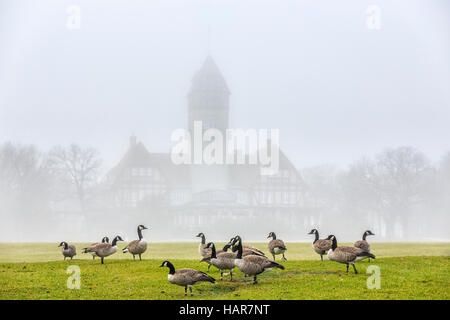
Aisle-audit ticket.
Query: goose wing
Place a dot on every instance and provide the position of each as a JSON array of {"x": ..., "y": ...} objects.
[
  {"x": 323, "y": 245},
  {"x": 100, "y": 249},
  {"x": 192, "y": 275},
  {"x": 132, "y": 245},
  {"x": 363, "y": 244},
  {"x": 347, "y": 253},
  {"x": 277, "y": 243},
  {"x": 253, "y": 249}
]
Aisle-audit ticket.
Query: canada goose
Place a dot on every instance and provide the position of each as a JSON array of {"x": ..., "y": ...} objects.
[
  {"x": 103, "y": 250},
  {"x": 248, "y": 249},
  {"x": 363, "y": 244},
  {"x": 276, "y": 246},
  {"x": 137, "y": 246},
  {"x": 68, "y": 250},
  {"x": 186, "y": 277},
  {"x": 321, "y": 246},
  {"x": 253, "y": 265},
  {"x": 223, "y": 260},
  {"x": 206, "y": 252},
  {"x": 346, "y": 255},
  {"x": 104, "y": 240}
]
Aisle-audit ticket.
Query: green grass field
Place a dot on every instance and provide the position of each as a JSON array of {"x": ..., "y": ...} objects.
[{"x": 408, "y": 271}]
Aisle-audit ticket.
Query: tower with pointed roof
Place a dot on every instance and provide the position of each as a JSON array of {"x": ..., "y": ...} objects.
[
  {"x": 208, "y": 102},
  {"x": 208, "y": 98}
]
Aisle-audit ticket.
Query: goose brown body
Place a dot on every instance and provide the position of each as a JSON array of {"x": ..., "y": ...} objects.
[
  {"x": 320, "y": 246},
  {"x": 346, "y": 255},
  {"x": 139, "y": 246},
  {"x": 253, "y": 265},
  {"x": 222, "y": 260},
  {"x": 68, "y": 250},
  {"x": 104, "y": 249},
  {"x": 186, "y": 277},
  {"x": 276, "y": 246},
  {"x": 363, "y": 244},
  {"x": 104, "y": 240},
  {"x": 247, "y": 249}
]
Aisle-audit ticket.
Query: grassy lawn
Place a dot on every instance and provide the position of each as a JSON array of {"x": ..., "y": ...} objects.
[{"x": 403, "y": 276}]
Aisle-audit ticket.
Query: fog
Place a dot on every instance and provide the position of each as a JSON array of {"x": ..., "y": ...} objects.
[{"x": 92, "y": 92}]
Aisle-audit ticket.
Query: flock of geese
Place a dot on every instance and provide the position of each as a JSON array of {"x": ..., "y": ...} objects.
[{"x": 246, "y": 258}]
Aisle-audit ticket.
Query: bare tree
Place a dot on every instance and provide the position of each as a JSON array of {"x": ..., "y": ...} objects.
[
  {"x": 401, "y": 182},
  {"x": 24, "y": 188},
  {"x": 80, "y": 166}
]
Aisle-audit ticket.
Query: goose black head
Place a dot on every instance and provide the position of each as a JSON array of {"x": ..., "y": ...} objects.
[
  {"x": 118, "y": 238},
  {"x": 142, "y": 227},
  {"x": 168, "y": 265},
  {"x": 270, "y": 235},
  {"x": 200, "y": 235},
  {"x": 369, "y": 233},
  {"x": 62, "y": 244},
  {"x": 105, "y": 240},
  {"x": 334, "y": 240},
  {"x": 209, "y": 245},
  {"x": 165, "y": 264},
  {"x": 313, "y": 231}
]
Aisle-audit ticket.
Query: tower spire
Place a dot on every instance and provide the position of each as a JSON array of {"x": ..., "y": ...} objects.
[{"x": 209, "y": 40}]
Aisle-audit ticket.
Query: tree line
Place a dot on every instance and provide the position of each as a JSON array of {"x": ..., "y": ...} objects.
[{"x": 398, "y": 191}]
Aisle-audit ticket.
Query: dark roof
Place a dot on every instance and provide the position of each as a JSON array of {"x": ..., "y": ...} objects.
[{"x": 209, "y": 78}]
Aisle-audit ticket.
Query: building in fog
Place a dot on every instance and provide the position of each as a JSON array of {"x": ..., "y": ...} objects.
[{"x": 198, "y": 195}]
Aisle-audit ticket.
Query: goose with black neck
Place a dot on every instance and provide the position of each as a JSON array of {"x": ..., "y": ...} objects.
[
  {"x": 68, "y": 250},
  {"x": 320, "y": 246},
  {"x": 105, "y": 249},
  {"x": 253, "y": 265},
  {"x": 186, "y": 277},
  {"x": 346, "y": 255},
  {"x": 137, "y": 247}
]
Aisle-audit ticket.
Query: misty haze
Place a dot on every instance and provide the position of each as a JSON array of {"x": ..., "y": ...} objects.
[{"x": 92, "y": 92}]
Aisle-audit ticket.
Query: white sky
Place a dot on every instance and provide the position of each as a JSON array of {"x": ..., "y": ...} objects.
[{"x": 335, "y": 89}]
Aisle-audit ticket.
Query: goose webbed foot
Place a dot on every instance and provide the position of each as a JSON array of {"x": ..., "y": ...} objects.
[{"x": 284, "y": 258}]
